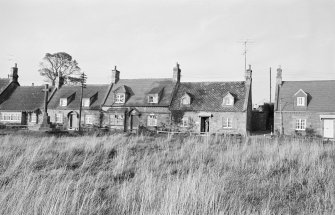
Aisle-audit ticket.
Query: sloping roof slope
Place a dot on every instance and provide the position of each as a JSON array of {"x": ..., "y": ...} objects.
[
  {"x": 320, "y": 95},
  {"x": 4, "y": 82},
  {"x": 139, "y": 90},
  {"x": 25, "y": 98},
  {"x": 208, "y": 96},
  {"x": 91, "y": 89}
]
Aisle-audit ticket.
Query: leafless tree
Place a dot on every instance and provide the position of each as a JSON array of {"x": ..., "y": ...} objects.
[{"x": 59, "y": 64}]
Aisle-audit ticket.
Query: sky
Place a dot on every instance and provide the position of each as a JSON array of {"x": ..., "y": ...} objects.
[{"x": 145, "y": 39}]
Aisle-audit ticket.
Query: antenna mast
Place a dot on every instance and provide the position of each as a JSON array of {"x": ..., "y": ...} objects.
[{"x": 245, "y": 43}]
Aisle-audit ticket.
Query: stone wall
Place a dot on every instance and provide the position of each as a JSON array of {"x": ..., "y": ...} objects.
[
  {"x": 239, "y": 122},
  {"x": 313, "y": 121}
]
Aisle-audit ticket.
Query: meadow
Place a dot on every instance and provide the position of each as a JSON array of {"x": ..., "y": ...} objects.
[{"x": 120, "y": 174}]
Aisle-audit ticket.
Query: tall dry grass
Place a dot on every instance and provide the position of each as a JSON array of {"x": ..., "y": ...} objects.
[{"x": 145, "y": 175}]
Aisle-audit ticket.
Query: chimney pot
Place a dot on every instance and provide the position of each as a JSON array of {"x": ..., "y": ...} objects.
[
  {"x": 115, "y": 75},
  {"x": 176, "y": 73},
  {"x": 14, "y": 73}
]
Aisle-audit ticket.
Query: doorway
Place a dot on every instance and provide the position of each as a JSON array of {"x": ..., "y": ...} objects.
[
  {"x": 328, "y": 128},
  {"x": 204, "y": 124},
  {"x": 73, "y": 121}
]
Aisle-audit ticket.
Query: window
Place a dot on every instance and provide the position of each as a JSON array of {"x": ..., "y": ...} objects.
[
  {"x": 300, "y": 101},
  {"x": 63, "y": 102},
  {"x": 119, "y": 98},
  {"x": 13, "y": 117},
  {"x": 33, "y": 117},
  {"x": 153, "y": 99},
  {"x": 227, "y": 122},
  {"x": 116, "y": 119},
  {"x": 86, "y": 102},
  {"x": 89, "y": 119},
  {"x": 152, "y": 120},
  {"x": 228, "y": 101},
  {"x": 184, "y": 122},
  {"x": 59, "y": 118},
  {"x": 300, "y": 124},
  {"x": 185, "y": 101}
]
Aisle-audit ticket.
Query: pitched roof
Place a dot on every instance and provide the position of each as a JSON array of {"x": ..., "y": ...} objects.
[
  {"x": 208, "y": 96},
  {"x": 139, "y": 90},
  {"x": 4, "y": 82},
  {"x": 90, "y": 90},
  {"x": 25, "y": 98},
  {"x": 319, "y": 95}
]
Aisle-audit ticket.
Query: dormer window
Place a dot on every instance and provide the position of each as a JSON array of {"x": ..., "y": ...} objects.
[
  {"x": 228, "y": 100},
  {"x": 86, "y": 102},
  {"x": 186, "y": 99},
  {"x": 153, "y": 99},
  {"x": 63, "y": 102},
  {"x": 120, "y": 98},
  {"x": 300, "y": 101},
  {"x": 300, "y": 98}
]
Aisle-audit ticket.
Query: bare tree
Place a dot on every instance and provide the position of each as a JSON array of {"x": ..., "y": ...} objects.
[{"x": 59, "y": 64}]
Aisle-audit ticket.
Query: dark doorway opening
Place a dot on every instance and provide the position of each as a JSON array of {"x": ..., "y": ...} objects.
[{"x": 204, "y": 124}]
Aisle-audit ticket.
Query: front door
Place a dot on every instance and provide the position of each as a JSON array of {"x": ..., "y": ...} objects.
[
  {"x": 134, "y": 122},
  {"x": 204, "y": 124},
  {"x": 73, "y": 121},
  {"x": 328, "y": 130}
]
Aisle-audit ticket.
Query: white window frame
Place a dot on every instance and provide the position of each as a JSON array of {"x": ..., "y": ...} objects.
[
  {"x": 300, "y": 124},
  {"x": 228, "y": 101},
  {"x": 116, "y": 119},
  {"x": 85, "y": 102},
  {"x": 227, "y": 122},
  {"x": 89, "y": 119},
  {"x": 58, "y": 118},
  {"x": 63, "y": 102},
  {"x": 153, "y": 99},
  {"x": 11, "y": 116},
  {"x": 33, "y": 118},
  {"x": 152, "y": 120},
  {"x": 185, "y": 100},
  {"x": 300, "y": 101},
  {"x": 120, "y": 98}
]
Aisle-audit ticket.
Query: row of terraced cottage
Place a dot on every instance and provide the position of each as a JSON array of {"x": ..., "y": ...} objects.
[{"x": 130, "y": 104}]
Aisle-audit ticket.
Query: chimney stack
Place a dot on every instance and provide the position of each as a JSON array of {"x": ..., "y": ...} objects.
[
  {"x": 115, "y": 75},
  {"x": 248, "y": 74},
  {"x": 13, "y": 75},
  {"x": 59, "y": 80},
  {"x": 176, "y": 73},
  {"x": 279, "y": 79}
]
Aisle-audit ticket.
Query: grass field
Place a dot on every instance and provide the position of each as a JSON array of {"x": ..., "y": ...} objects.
[{"x": 144, "y": 175}]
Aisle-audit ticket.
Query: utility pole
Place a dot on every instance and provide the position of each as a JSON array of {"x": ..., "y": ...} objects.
[
  {"x": 270, "y": 85},
  {"x": 83, "y": 78},
  {"x": 281, "y": 116}
]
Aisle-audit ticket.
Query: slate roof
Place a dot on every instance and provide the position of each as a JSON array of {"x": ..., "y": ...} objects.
[
  {"x": 4, "y": 82},
  {"x": 25, "y": 98},
  {"x": 208, "y": 96},
  {"x": 91, "y": 89},
  {"x": 320, "y": 95},
  {"x": 139, "y": 90}
]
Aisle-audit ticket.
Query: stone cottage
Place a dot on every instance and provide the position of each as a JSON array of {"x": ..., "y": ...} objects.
[
  {"x": 304, "y": 107},
  {"x": 63, "y": 108},
  {"x": 23, "y": 106},
  {"x": 215, "y": 107},
  {"x": 139, "y": 102}
]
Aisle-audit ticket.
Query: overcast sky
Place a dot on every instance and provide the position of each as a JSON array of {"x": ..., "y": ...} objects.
[{"x": 146, "y": 38}]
